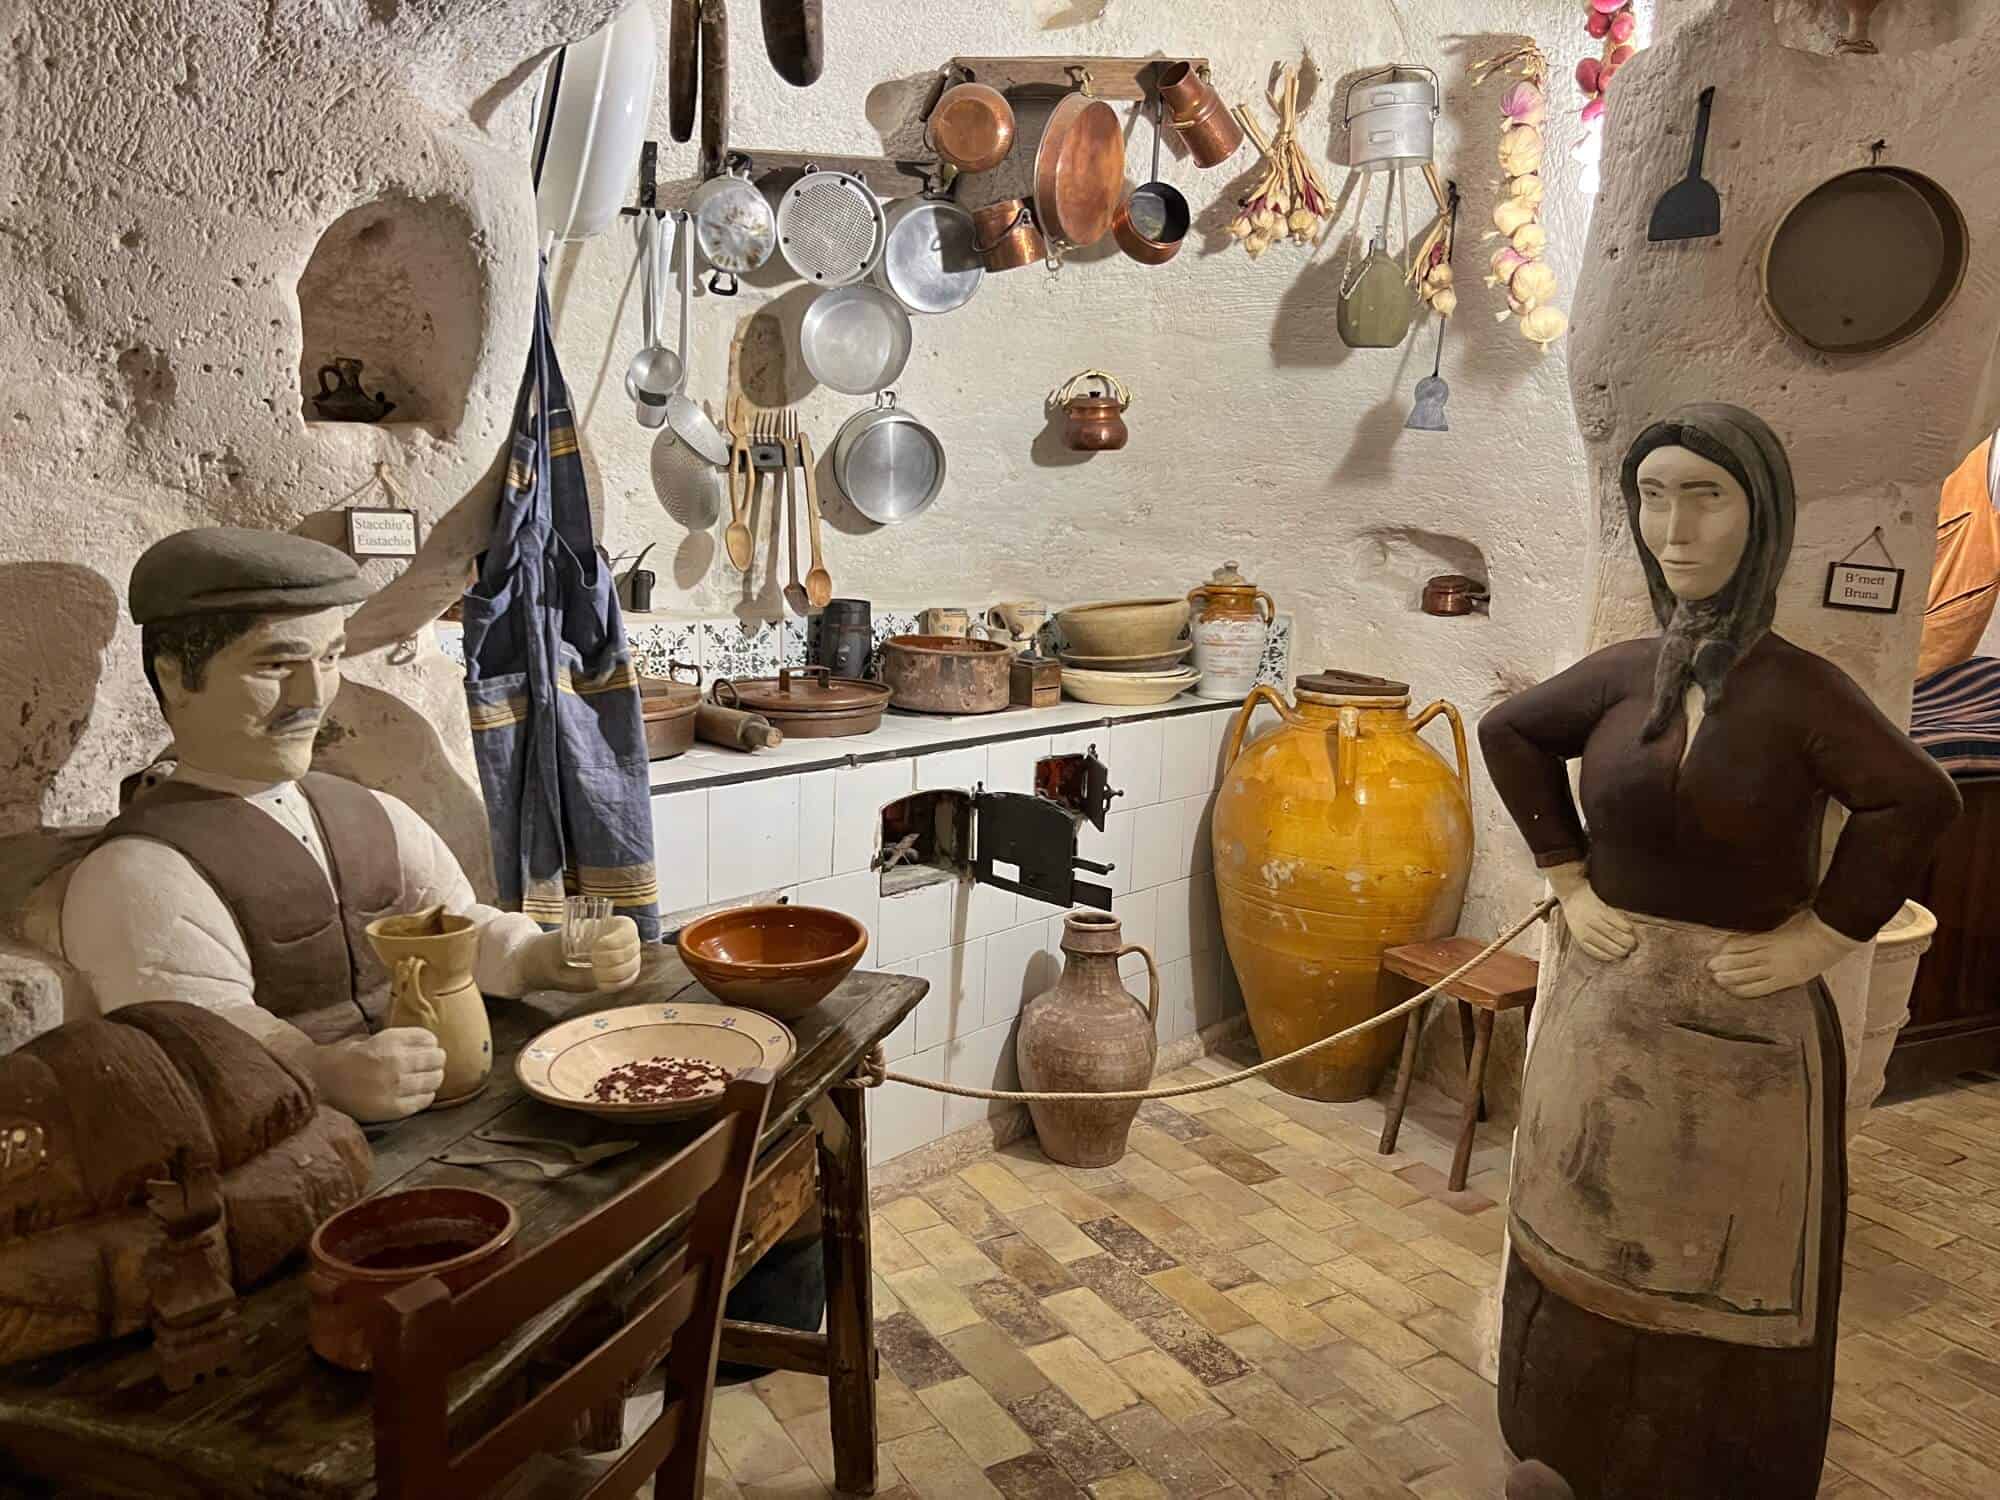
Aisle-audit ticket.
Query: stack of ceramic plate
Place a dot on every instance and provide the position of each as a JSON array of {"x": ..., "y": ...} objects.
[{"x": 1127, "y": 653}]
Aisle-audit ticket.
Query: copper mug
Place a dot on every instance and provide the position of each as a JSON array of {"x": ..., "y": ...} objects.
[
  {"x": 1006, "y": 236},
  {"x": 1198, "y": 113},
  {"x": 1094, "y": 423}
]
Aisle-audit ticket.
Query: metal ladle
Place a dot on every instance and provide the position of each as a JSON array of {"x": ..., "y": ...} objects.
[
  {"x": 656, "y": 373},
  {"x": 691, "y": 423}
]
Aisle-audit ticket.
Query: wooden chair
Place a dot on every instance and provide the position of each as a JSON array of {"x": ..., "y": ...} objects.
[
  {"x": 425, "y": 1334},
  {"x": 1506, "y": 981}
]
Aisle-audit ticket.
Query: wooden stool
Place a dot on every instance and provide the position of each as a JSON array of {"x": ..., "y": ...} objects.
[{"x": 1506, "y": 981}]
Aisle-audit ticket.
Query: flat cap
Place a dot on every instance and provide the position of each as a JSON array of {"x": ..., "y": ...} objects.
[{"x": 217, "y": 569}]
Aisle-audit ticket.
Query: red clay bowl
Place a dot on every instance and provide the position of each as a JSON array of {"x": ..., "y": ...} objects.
[
  {"x": 781, "y": 960},
  {"x": 363, "y": 1253}
]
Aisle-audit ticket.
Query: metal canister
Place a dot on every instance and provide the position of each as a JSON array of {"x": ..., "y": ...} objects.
[
  {"x": 846, "y": 638},
  {"x": 1196, "y": 111},
  {"x": 1392, "y": 118}
]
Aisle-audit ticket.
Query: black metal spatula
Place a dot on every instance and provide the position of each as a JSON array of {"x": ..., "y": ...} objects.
[{"x": 1691, "y": 209}]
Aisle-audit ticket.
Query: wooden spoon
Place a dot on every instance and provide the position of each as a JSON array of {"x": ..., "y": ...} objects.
[
  {"x": 736, "y": 539},
  {"x": 819, "y": 582}
]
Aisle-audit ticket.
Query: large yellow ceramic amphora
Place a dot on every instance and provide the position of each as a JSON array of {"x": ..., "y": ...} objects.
[{"x": 1338, "y": 833}]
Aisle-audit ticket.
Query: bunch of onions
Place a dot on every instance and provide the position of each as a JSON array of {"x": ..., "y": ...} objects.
[
  {"x": 1289, "y": 201},
  {"x": 1613, "y": 23},
  {"x": 1517, "y": 266}
]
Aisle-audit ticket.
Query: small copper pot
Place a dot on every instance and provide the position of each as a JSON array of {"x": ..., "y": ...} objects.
[
  {"x": 1006, "y": 236},
  {"x": 1453, "y": 594},
  {"x": 1198, "y": 113},
  {"x": 972, "y": 127},
  {"x": 1094, "y": 423}
]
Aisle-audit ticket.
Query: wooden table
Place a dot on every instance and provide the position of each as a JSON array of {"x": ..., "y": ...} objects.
[{"x": 99, "y": 1421}]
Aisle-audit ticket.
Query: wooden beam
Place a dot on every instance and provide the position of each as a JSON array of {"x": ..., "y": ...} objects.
[
  {"x": 887, "y": 177},
  {"x": 1110, "y": 77}
]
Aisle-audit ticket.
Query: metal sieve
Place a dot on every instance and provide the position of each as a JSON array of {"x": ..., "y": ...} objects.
[{"x": 830, "y": 228}]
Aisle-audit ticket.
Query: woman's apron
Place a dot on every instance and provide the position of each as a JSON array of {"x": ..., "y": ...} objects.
[{"x": 1671, "y": 1163}]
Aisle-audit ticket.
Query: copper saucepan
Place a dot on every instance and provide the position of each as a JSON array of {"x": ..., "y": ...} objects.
[{"x": 1153, "y": 221}]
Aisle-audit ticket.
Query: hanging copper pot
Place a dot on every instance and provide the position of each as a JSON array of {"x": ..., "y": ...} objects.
[
  {"x": 972, "y": 127},
  {"x": 1094, "y": 423},
  {"x": 1198, "y": 113},
  {"x": 1006, "y": 236}
]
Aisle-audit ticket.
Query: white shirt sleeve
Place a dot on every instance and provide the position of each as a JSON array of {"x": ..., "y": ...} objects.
[
  {"x": 142, "y": 923},
  {"x": 432, "y": 876}
]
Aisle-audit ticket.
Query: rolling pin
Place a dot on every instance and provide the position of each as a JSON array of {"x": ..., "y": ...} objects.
[{"x": 734, "y": 729}]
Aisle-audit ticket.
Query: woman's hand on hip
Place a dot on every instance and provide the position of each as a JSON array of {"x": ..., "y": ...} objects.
[
  {"x": 1600, "y": 930},
  {"x": 1754, "y": 964}
]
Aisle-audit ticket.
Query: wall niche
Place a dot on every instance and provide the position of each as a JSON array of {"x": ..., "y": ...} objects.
[{"x": 395, "y": 284}]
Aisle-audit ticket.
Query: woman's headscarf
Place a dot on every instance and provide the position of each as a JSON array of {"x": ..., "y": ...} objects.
[{"x": 1704, "y": 638}]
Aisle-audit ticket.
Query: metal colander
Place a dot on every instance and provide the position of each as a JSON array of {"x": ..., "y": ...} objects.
[{"x": 830, "y": 228}]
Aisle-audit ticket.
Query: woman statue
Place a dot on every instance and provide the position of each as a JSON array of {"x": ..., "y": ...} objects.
[{"x": 1679, "y": 1181}]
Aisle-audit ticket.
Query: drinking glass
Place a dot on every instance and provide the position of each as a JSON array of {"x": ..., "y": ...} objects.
[{"x": 583, "y": 918}]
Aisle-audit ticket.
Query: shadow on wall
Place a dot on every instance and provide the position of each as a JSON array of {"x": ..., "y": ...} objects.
[
  {"x": 396, "y": 285},
  {"x": 374, "y": 738},
  {"x": 57, "y": 619}
]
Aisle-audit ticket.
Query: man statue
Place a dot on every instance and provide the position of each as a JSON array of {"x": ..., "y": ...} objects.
[{"x": 244, "y": 883}]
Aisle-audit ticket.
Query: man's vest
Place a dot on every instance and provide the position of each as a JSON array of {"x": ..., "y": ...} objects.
[{"x": 306, "y": 943}]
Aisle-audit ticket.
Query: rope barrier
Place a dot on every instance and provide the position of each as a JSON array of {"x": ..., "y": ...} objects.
[{"x": 874, "y": 1073}]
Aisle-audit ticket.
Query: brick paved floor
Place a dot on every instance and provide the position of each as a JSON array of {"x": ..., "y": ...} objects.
[{"x": 1253, "y": 1302}]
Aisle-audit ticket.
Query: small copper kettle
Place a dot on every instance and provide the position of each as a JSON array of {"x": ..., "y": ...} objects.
[
  {"x": 1094, "y": 423},
  {"x": 343, "y": 400}
]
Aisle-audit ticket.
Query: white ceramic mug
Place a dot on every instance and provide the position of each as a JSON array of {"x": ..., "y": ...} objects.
[{"x": 1019, "y": 618}]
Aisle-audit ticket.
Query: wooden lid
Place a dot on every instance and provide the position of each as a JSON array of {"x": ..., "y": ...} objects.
[{"x": 1352, "y": 687}]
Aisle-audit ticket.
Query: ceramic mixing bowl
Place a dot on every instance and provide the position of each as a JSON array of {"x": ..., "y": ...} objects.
[
  {"x": 781, "y": 960},
  {"x": 1126, "y": 627}
]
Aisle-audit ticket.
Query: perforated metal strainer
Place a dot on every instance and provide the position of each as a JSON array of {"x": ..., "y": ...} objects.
[{"x": 830, "y": 228}]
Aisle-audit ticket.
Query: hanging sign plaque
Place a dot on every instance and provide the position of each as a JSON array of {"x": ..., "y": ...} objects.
[{"x": 1876, "y": 588}]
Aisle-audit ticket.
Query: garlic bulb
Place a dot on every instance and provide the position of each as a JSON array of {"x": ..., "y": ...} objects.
[
  {"x": 1509, "y": 214},
  {"x": 1545, "y": 325},
  {"x": 1534, "y": 282},
  {"x": 1445, "y": 301},
  {"x": 1530, "y": 239},
  {"x": 1504, "y": 263},
  {"x": 1527, "y": 188},
  {"x": 1520, "y": 149},
  {"x": 1439, "y": 275}
]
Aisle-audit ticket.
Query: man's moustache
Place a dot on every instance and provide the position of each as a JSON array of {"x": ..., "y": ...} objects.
[{"x": 298, "y": 718}]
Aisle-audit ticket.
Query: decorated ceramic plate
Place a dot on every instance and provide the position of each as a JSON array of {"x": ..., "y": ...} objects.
[{"x": 597, "y": 1063}]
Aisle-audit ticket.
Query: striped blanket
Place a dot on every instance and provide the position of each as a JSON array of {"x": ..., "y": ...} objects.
[{"x": 1956, "y": 717}]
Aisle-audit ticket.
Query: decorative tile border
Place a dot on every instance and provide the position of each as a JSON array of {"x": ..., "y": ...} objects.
[
  {"x": 1276, "y": 668},
  {"x": 728, "y": 647}
]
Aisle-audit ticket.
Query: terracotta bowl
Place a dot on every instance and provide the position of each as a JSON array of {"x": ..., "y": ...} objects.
[
  {"x": 1129, "y": 627},
  {"x": 781, "y": 960},
  {"x": 363, "y": 1253}
]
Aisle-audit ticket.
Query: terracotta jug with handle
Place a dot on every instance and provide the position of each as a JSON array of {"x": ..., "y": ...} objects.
[
  {"x": 430, "y": 954},
  {"x": 1089, "y": 1033},
  {"x": 1338, "y": 832}
]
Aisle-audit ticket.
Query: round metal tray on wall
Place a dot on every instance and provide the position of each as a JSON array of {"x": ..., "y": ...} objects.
[{"x": 1865, "y": 260}]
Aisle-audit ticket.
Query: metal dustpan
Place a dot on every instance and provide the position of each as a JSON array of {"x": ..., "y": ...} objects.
[{"x": 1691, "y": 209}]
